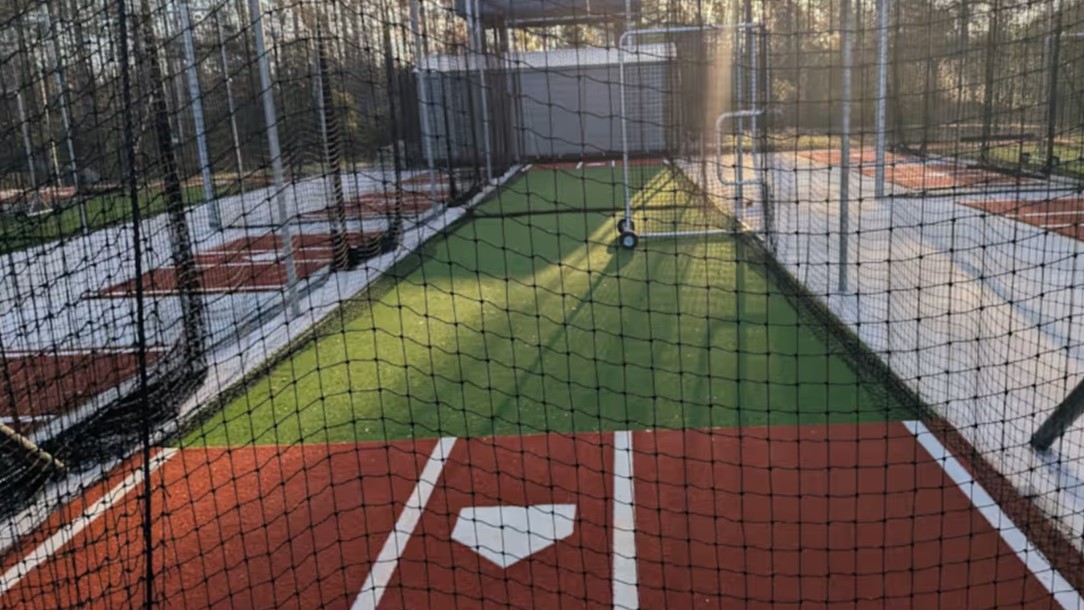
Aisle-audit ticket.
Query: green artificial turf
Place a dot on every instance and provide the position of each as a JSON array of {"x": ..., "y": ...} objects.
[{"x": 533, "y": 323}]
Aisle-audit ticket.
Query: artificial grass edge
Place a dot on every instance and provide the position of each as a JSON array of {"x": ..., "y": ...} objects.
[
  {"x": 824, "y": 323},
  {"x": 332, "y": 322}
]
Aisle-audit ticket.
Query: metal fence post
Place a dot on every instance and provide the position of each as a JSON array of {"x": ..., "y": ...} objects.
[
  {"x": 845, "y": 148},
  {"x": 196, "y": 93},
  {"x": 882, "y": 95},
  {"x": 282, "y": 221}
]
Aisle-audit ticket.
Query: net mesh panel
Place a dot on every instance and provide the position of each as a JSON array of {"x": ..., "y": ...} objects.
[
  {"x": 334, "y": 303},
  {"x": 697, "y": 97}
]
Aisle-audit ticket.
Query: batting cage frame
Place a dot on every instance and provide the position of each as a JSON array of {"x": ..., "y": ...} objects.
[{"x": 748, "y": 80}]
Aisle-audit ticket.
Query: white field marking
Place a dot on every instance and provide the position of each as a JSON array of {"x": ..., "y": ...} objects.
[
  {"x": 527, "y": 167},
  {"x": 97, "y": 351},
  {"x": 388, "y": 561},
  {"x": 1030, "y": 556},
  {"x": 172, "y": 292},
  {"x": 1044, "y": 214},
  {"x": 68, "y": 531},
  {"x": 11, "y": 419},
  {"x": 251, "y": 263},
  {"x": 236, "y": 257},
  {"x": 579, "y": 165},
  {"x": 626, "y": 594}
]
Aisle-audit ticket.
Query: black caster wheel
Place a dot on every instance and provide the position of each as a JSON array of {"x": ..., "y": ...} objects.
[
  {"x": 629, "y": 240},
  {"x": 624, "y": 225}
]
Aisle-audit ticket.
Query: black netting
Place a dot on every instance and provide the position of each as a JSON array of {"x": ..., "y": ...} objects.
[{"x": 541, "y": 304}]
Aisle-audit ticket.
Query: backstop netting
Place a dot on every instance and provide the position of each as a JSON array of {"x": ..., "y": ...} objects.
[{"x": 541, "y": 304}]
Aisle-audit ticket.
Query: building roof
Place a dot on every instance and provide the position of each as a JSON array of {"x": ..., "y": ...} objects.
[
  {"x": 557, "y": 59},
  {"x": 524, "y": 13}
]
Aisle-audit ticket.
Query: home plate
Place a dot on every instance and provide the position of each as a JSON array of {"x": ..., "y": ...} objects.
[{"x": 508, "y": 534}]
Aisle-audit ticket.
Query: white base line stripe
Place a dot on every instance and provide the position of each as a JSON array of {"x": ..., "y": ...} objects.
[
  {"x": 1030, "y": 556},
  {"x": 11, "y": 419},
  {"x": 103, "y": 352},
  {"x": 1045, "y": 214},
  {"x": 68, "y": 531},
  {"x": 388, "y": 561},
  {"x": 625, "y": 592}
]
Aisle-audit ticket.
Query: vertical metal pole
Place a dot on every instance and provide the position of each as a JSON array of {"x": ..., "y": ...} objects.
[
  {"x": 845, "y": 147},
  {"x": 27, "y": 144},
  {"x": 739, "y": 121},
  {"x": 1053, "y": 56},
  {"x": 24, "y": 126},
  {"x": 423, "y": 94},
  {"x": 882, "y": 95},
  {"x": 231, "y": 105},
  {"x": 329, "y": 131},
  {"x": 62, "y": 100},
  {"x": 194, "y": 91},
  {"x": 40, "y": 68},
  {"x": 282, "y": 221},
  {"x": 754, "y": 121},
  {"x": 478, "y": 30},
  {"x": 624, "y": 124},
  {"x": 1051, "y": 99},
  {"x": 989, "y": 76}
]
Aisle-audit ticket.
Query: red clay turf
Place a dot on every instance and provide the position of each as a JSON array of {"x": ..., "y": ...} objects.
[
  {"x": 50, "y": 384},
  {"x": 843, "y": 516}
]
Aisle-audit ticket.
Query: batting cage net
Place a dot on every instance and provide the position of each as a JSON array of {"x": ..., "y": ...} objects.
[{"x": 541, "y": 304}]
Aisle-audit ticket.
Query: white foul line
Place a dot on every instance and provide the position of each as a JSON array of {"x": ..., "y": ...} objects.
[
  {"x": 388, "y": 561},
  {"x": 625, "y": 592},
  {"x": 68, "y": 531},
  {"x": 1030, "y": 556}
]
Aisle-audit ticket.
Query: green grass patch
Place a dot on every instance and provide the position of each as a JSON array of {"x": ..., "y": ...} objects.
[
  {"x": 516, "y": 324},
  {"x": 19, "y": 231}
]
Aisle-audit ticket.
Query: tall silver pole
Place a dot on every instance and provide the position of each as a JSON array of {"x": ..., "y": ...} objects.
[
  {"x": 196, "y": 94},
  {"x": 624, "y": 123},
  {"x": 231, "y": 105},
  {"x": 62, "y": 100},
  {"x": 477, "y": 32},
  {"x": 882, "y": 96},
  {"x": 27, "y": 144},
  {"x": 282, "y": 222},
  {"x": 845, "y": 134},
  {"x": 52, "y": 155},
  {"x": 24, "y": 127},
  {"x": 423, "y": 94}
]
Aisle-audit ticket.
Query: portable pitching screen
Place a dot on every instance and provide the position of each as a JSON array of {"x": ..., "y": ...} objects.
[{"x": 712, "y": 104}]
